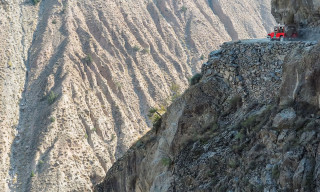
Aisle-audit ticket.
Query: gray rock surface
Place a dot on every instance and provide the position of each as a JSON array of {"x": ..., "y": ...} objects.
[{"x": 207, "y": 144}]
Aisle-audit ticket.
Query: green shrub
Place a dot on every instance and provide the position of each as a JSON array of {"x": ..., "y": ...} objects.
[
  {"x": 145, "y": 51},
  {"x": 54, "y": 21},
  {"x": 235, "y": 102},
  {"x": 195, "y": 79},
  {"x": 35, "y": 2},
  {"x": 275, "y": 172},
  {"x": 136, "y": 48},
  {"x": 183, "y": 9},
  {"x": 175, "y": 91},
  {"x": 233, "y": 164},
  {"x": 113, "y": 137},
  {"x": 166, "y": 161},
  {"x": 10, "y": 64},
  {"x": 239, "y": 136},
  {"x": 250, "y": 122},
  {"x": 157, "y": 120},
  {"x": 52, "y": 119},
  {"x": 155, "y": 116},
  {"x": 32, "y": 174},
  {"x": 202, "y": 57},
  {"x": 52, "y": 97},
  {"x": 65, "y": 7},
  {"x": 88, "y": 59}
]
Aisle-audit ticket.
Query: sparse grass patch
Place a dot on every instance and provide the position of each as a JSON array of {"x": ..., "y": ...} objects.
[
  {"x": 94, "y": 129},
  {"x": 52, "y": 97},
  {"x": 86, "y": 136},
  {"x": 195, "y": 79}
]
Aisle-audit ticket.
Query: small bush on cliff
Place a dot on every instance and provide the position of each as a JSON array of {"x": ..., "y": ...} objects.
[
  {"x": 175, "y": 91},
  {"x": 183, "y": 9},
  {"x": 88, "y": 59},
  {"x": 202, "y": 57},
  {"x": 166, "y": 161},
  {"x": 145, "y": 51},
  {"x": 52, "y": 97},
  {"x": 35, "y": 2},
  {"x": 195, "y": 79},
  {"x": 235, "y": 102},
  {"x": 9, "y": 64},
  {"x": 275, "y": 172},
  {"x": 155, "y": 115},
  {"x": 136, "y": 48},
  {"x": 52, "y": 119}
]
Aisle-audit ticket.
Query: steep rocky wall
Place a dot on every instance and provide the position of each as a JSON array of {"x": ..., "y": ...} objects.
[
  {"x": 301, "y": 79},
  {"x": 84, "y": 74},
  {"x": 249, "y": 64},
  {"x": 301, "y": 12},
  {"x": 205, "y": 143}
]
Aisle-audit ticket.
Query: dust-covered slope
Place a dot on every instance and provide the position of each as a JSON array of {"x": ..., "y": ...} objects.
[{"x": 94, "y": 68}]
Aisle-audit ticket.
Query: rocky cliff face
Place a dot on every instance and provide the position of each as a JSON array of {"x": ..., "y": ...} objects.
[
  {"x": 78, "y": 77},
  {"x": 217, "y": 138},
  {"x": 301, "y": 12}
]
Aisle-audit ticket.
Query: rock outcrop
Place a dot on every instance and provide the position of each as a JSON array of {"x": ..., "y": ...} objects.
[
  {"x": 211, "y": 139},
  {"x": 301, "y": 12},
  {"x": 78, "y": 78}
]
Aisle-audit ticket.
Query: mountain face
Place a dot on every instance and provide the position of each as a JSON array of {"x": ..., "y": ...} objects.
[
  {"x": 251, "y": 123},
  {"x": 78, "y": 78},
  {"x": 229, "y": 133}
]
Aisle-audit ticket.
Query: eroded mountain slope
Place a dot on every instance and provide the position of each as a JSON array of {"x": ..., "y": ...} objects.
[{"x": 93, "y": 70}]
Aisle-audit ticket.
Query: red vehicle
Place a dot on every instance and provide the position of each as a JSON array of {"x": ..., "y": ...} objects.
[{"x": 284, "y": 32}]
